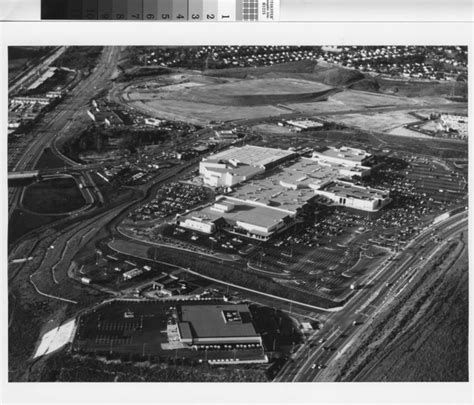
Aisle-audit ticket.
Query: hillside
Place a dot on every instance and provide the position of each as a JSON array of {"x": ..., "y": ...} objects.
[{"x": 306, "y": 69}]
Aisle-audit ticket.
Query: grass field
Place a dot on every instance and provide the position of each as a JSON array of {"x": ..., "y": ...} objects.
[
  {"x": 22, "y": 222},
  {"x": 48, "y": 160},
  {"x": 53, "y": 196}
]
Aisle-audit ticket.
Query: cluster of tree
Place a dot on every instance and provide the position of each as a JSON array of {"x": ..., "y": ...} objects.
[
  {"x": 275, "y": 326},
  {"x": 79, "y": 58},
  {"x": 92, "y": 139},
  {"x": 98, "y": 139},
  {"x": 135, "y": 139},
  {"x": 132, "y": 74},
  {"x": 60, "y": 77},
  {"x": 29, "y": 52},
  {"x": 64, "y": 367}
]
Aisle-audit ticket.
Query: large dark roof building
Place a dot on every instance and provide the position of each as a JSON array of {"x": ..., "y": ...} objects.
[{"x": 216, "y": 324}]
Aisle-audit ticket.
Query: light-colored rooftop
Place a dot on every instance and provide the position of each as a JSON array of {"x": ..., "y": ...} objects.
[
  {"x": 251, "y": 155},
  {"x": 346, "y": 153},
  {"x": 275, "y": 196},
  {"x": 243, "y": 170},
  {"x": 270, "y": 197},
  {"x": 305, "y": 123},
  {"x": 246, "y": 212},
  {"x": 287, "y": 187},
  {"x": 345, "y": 189}
]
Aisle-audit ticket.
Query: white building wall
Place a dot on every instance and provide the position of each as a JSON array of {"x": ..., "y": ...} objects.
[
  {"x": 223, "y": 178},
  {"x": 349, "y": 172},
  {"x": 204, "y": 227},
  {"x": 341, "y": 160},
  {"x": 230, "y": 339},
  {"x": 254, "y": 228},
  {"x": 360, "y": 204},
  {"x": 365, "y": 205},
  {"x": 227, "y": 339}
]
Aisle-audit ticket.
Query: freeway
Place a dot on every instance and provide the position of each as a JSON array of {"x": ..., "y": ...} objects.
[
  {"x": 58, "y": 123},
  {"x": 63, "y": 120},
  {"x": 45, "y": 172},
  {"x": 386, "y": 284},
  {"x": 36, "y": 70}
]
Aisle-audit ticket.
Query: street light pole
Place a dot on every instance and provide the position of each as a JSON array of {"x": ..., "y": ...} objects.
[{"x": 309, "y": 347}]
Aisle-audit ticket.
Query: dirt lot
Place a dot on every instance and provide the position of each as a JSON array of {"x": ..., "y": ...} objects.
[
  {"x": 412, "y": 88},
  {"x": 250, "y": 99},
  {"x": 201, "y": 99},
  {"x": 378, "y": 121},
  {"x": 201, "y": 114},
  {"x": 254, "y": 92},
  {"x": 273, "y": 129},
  {"x": 401, "y": 131}
]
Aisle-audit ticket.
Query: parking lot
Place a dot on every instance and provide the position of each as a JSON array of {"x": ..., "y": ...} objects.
[
  {"x": 124, "y": 327},
  {"x": 220, "y": 242},
  {"x": 141, "y": 328},
  {"x": 330, "y": 247},
  {"x": 170, "y": 200}
]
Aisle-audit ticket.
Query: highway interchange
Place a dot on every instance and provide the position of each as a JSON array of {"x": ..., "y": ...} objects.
[
  {"x": 61, "y": 121},
  {"x": 24, "y": 76}
]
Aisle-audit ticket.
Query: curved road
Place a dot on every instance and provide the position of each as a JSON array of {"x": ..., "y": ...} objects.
[{"x": 61, "y": 121}]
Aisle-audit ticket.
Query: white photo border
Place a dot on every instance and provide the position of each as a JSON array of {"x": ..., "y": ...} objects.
[{"x": 187, "y": 34}]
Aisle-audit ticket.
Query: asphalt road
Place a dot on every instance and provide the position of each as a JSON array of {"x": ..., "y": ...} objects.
[
  {"x": 62, "y": 120},
  {"x": 386, "y": 284}
]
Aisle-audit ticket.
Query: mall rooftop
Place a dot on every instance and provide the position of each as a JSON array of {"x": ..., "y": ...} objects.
[
  {"x": 251, "y": 155},
  {"x": 217, "y": 324},
  {"x": 343, "y": 155}
]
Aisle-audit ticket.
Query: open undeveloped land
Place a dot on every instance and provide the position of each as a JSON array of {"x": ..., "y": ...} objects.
[{"x": 201, "y": 98}]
